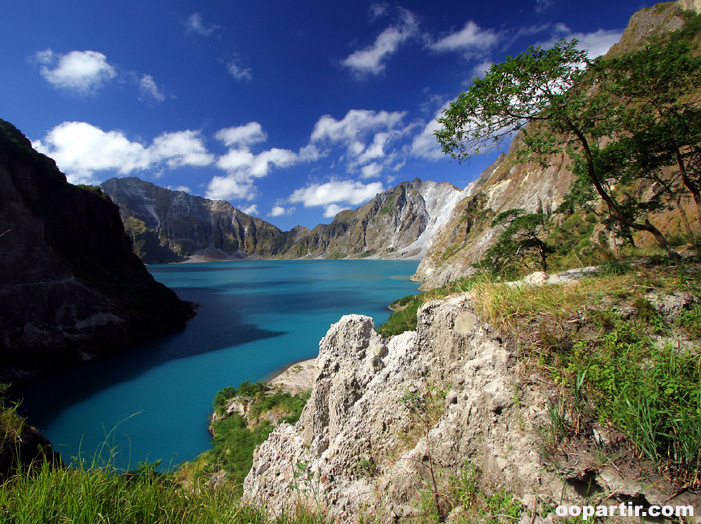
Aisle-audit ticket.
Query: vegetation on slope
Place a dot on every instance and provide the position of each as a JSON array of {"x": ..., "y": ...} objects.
[
  {"x": 96, "y": 491},
  {"x": 236, "y": 433}
]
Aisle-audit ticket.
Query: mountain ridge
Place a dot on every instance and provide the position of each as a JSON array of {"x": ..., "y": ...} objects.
[{"x": 172, "y": 226}]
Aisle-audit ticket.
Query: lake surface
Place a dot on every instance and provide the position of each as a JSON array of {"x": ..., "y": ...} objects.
[{"x": 153, "y": 401}]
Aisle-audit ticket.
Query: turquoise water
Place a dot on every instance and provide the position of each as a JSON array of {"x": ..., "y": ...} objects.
[{"x": 153, "y": 400}]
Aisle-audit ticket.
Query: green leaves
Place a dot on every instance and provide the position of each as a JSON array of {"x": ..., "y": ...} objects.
[{"x": 535, "y": 85}]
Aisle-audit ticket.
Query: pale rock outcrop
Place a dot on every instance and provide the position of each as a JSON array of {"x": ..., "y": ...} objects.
[{"x": 355, "y": 449}]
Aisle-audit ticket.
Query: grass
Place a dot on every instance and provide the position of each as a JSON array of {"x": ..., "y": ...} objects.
[
  {"x": 235, "y": 437},
  {"x": 405, "y": 309},
  {"x": 620, "y": 360},
  {"x": 102, "y": 495},
  {"x": 96, "y": 491}
]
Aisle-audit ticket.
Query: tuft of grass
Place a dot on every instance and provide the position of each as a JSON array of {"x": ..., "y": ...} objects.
[
  {"x": 599, "y": 339},
  {"x": 102, "y": 495}
]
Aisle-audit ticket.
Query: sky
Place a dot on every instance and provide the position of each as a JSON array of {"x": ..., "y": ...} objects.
[{"x": 290, "y": 110}]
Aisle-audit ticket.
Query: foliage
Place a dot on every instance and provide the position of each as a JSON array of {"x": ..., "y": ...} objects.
[
  {"x": 102, "y": 495},
  {"x": 403, "y": 317},
  {"x": 602, "y": 114},
  {"x": 235, "y": 437},
  {"x": 520, "y": 239}
]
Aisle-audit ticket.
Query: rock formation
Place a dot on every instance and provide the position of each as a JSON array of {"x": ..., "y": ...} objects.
[
  {"x": 391, "y": 421},
  {"x": 70, "y": 286}
]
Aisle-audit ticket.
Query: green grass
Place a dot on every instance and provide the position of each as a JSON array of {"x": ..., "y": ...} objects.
[
  {"x": 235, "y": 437},
  {"x": 599, "y": 338},
  {"x": 102, "y": 495}
]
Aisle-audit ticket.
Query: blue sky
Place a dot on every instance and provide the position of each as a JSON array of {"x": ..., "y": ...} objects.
[{"x": 290, "y": 110}]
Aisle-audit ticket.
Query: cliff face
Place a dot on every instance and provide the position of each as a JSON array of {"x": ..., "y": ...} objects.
[
  {"x": 70, "y": 286},
  {"x": 508, "y": 184},
  {"x": 167, "y": 226},
  {"x": 387, "y": 418},
  {"x": 397, "y": 223}
]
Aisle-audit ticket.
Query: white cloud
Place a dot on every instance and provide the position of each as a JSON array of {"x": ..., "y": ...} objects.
[
  {"x": 278, "y": 211},
  {"x": 229, "y": 188},
  {"x": 371, "y": 170},
  {"x": 365, "y": 134},
  {"x": 335, "y": 195},
  {"x": 194, "y": 24},
  {"x": 372, "y": 59},
  {"x": 599, "y": 42},
  {"x": 470, "y": 39},
  {"x": 82, "y": 72},
  {"x": 250, "y": 210},
  {"x": 149, "y": 90},
  {"x": 332, "y": 210},
  {"x": 181, "y": 148},
  {"x": 481, "y": 69},
  {"x": 184, "y": 189},
  {"x": 239, "y": 72},
  {"x": 81, "y": 150},
  {"x": 542, "y": 5},
  {"x": 596, "y": 43},
  {"x": 246, "y": 135},
  {"x": 243, "y": 166},
  {"x": 378, "y": 10},
  {"x": 425, "y": 144}
]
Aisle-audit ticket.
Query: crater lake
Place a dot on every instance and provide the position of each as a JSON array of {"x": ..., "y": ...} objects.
[{"x": 153, "y": 400}]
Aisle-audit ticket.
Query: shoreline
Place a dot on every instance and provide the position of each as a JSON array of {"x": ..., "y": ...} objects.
[{"x": 295, "y": 377}]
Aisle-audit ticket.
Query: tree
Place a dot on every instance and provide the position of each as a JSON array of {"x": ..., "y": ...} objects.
[
  {"x": 662, "y": 122},
  {"x": 557, "y": 101},
  {"x": 519, "y": 240}
]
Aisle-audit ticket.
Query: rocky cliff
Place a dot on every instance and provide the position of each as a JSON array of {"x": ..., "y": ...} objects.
[
  {"x": 510, "y": 184},
  {"x": 168, "y": 226},
  {"x": 70, "y": 286},
  {"x": 397, "y": 223},
  {"x": 449, "y": 407}
]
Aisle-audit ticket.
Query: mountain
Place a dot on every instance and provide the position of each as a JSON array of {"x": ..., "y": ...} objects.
[
  {"x": 397, "y": 223},
  {"x": 70, "y": 286},
  {"x": 511, "y": 184},
  {"x": 168, "y": 226}
]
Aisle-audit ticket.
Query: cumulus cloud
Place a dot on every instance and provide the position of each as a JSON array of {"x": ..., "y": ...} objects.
[
  {"x": 81, "y": 150},
  {"x": 335, "y": 195},
  {"x": 372, "y": 59},
  {"x": 243, "y": 166},
  {"x": 178, "y": 149},
  {"x": 246, "y": 135},
  {"x": 194, "y": 24},
  {"x": 278, "y": 211},
  {"x": 371, "y": 170},
  {"x": 425, "y": 145},
  {"x": 332, "y": 210},
  {"x": 148, "y": 89},
  {"x": 250, "y": 210},
  {"x": 81, "y": 72},
  {"x": 470, "y": 40},
  {"x": 596, "y": 43},
  {"x": 365, "y": 135}
]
